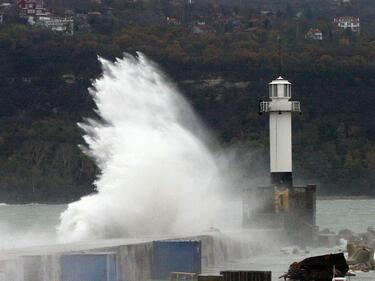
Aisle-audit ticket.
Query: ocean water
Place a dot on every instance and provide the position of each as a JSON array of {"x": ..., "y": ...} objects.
[
  {"x": 35, "y": 224},
  {"x": 355, "y": 215},
  {"x": 25, "y": 225}
]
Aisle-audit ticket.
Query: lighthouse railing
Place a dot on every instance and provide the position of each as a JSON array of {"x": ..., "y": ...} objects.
[
  {"x": 264, "y": 106},
  {"x": 296, "y": 106}
]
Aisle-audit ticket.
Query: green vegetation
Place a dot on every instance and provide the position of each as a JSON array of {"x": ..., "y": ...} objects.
[{"x": 44, "y": 78}]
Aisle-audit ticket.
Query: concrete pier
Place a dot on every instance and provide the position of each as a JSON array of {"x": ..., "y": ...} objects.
[{"x": 133, "y": 256}]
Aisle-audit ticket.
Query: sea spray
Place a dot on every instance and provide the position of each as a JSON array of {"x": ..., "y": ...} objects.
[{"x": 157, "y": 174}]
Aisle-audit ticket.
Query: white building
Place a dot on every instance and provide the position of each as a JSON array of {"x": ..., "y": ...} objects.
[
  {"x": 351, "y": 23},
  {"x": 65, "y": 25},
  {"x": 3, "y": 9},
  {"x": 314, "y": 34}
]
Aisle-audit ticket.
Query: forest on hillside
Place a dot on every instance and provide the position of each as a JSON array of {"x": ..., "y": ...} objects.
[{"x": 222, "y": 71}]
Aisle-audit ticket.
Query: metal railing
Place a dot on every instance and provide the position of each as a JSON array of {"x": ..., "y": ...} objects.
[
  {"x": 264, "y": 106},
  {"x": 296, "y": 106}
]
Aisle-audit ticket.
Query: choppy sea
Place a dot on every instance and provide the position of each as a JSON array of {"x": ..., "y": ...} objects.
[{"x": 33, "y": 224}]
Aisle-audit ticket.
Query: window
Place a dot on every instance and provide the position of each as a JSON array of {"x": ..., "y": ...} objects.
[
  {"x": 273, "y": 91},
  {"x": 287, "y": 90}
]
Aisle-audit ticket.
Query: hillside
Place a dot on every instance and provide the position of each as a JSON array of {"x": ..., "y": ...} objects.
[{"x": 222, "y": 55}]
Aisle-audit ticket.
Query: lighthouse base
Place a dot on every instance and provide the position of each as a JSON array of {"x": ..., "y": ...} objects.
[
  {"x": 281, "y": 179},
  {"x": 292, "y": 209}
]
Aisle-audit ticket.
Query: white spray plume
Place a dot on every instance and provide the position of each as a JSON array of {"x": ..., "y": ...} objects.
[{"x": 157, "y": 175}]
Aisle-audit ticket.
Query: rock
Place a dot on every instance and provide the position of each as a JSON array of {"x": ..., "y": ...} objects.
[
  {"x": 372, "y": 244},
  {"x": 359, "y": 267},
  {"x": 361, "y": 255},
  {"x": 371, "y": 230},
  {"x": 367, "y": 237},
  {"x": 351, "y": 249},
  {"x": 346, "y": 234},
  {"x": 325, "y": 231}
]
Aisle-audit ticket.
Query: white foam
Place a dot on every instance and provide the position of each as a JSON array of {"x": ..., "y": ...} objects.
[{"x": 157, "y": 174}]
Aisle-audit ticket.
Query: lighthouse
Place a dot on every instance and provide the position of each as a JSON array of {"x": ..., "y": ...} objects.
[
  {"x": 280, "y": 109},
  {"x": 281, "y": 204}
]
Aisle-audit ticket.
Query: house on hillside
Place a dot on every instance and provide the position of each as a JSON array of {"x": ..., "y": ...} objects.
[
  {"x": 4, "y": 7},
  {"x": 172, "y": 21},
  {"x": 201, "y": 28},
  {"x": 36, "y": 14},
  {"x": 314, "y": 34},
  {"x": 31, "y": 8},
  {"x": 58, "y": 24},
  {"x": 347, "y": 23}
]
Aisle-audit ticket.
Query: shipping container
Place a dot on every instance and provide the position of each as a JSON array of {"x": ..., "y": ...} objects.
[
  {"x": 8, "y": 270},
  {"x": 29, "y": 268},
  {"x": 134, "y": 262},
  {"x": 88, "y": 267},
  {"x": 32, "y": 268},
  {"x": 246, "y": 275},
  {"x": 175, "y": 256}
]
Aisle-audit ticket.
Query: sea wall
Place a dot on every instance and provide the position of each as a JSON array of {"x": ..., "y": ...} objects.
[{"x": 133, "y": 260}]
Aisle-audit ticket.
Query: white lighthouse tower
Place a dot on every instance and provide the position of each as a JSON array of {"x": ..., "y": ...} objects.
[
  {"x": 281, "y": 205},
  {"x": 280, "y": 108}
]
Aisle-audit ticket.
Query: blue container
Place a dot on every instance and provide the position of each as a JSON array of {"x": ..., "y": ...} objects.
[
  {"x": 88, "y": 267},
  {"x": 175, "y": 256}
]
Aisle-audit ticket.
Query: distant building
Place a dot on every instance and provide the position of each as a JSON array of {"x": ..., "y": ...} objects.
[
  {"x": 4, "y": 7},
  {"x": 31, "y": 8},
  {"x": 236, "y": 24},
  {"x": 343, "y": 2},
  {"x": 314, "y": 34},
  {"x": 36, "y": 14},
  {"x": 345, "y": 23},
  {"x": 267, "y": 13},
  {"x": 172, "y": 21},
  {"x": 201, "y": 28},
  {"x": 59, "y": 24}
]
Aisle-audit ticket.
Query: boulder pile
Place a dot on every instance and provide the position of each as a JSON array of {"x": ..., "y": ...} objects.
[{"x": 360, "y": 249}]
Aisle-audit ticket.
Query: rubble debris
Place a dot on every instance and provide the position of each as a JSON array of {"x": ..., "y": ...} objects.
[
  {"x": 346, "y": 234},
  {"x": 360, "y": 250},
  {"x": 360, "y": 258}
]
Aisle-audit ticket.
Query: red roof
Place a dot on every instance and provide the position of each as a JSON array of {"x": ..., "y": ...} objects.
[
  {"x": 23, "y": 4},
  {"x": 314, "y": 30}
]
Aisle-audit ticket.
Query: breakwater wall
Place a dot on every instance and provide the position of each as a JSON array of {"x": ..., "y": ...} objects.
[{"x": 120, "y": 260}]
